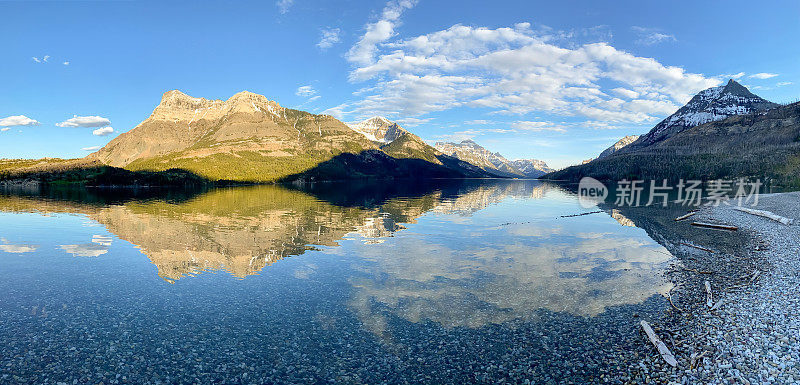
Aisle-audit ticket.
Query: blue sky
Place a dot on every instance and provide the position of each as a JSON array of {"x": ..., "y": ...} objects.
[{"x": 557, "y": 81}]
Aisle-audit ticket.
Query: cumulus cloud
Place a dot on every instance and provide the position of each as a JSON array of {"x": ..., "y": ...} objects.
[
  {"x": 762, "y": 75},
  {"x": 18, "y": 120},
  {"x": 284, "y": 5},
  {"x": 4, "y": 129},
  {"x": 305, "y": 91},
  {"x": 364, "y": 51},
  {"x": 103, "y": 131},
  {"x": 85, "y": 121},
  {"x": 511, "y": 70},
  {"x": 92, "y": 148},
  {"x": 329, "y": 37}
]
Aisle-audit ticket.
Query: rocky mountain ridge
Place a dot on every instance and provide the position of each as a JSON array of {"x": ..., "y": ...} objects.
[
  {"x": 250, "y": 138},
  {"x": 469, "y": 151},
  {"x": 619, "y": 145}
]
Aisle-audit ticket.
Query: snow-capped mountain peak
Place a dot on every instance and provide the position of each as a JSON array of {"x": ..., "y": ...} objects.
[
  {"x": 378, "y": 129},
  {"x": 709, "y": 105}
]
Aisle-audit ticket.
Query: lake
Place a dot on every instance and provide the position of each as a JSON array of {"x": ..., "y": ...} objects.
[{"x": 453, "y": 282}]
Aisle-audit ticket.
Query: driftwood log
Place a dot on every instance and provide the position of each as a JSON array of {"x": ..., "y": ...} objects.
[
  {"x": 687, "y": 215},
  {"x": 697, "y": 247},
  {"x": 660, "y": 345},
  {"x": 766, "y": 214},
  {"x": 715, "y": 226}
]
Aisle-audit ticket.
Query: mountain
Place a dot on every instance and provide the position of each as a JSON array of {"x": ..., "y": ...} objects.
[
  {"x": 622, "y": 143},
  {"x": 710, "y": 105},
  {"x": 764, "y": 143},
  {"x": 249, "y": 138},
  {"x": 378, "y": 129},
  {"x": 531, "y": 168},
  {"x": 475, "y": 154}
]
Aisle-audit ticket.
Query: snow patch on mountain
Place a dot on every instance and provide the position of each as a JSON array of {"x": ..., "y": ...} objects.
[{"x": 378, "y": 129}]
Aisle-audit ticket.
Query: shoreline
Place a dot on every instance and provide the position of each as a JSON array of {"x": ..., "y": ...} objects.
[{"x": 752, "y": 336}]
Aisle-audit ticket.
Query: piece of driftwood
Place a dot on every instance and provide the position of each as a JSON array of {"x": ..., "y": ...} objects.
[
  {"x": 716, "y": 305},
  {"x": 687, "y": 215},
  {"x": 755, "y": 276},
  {"x": 669, "y": 295},
  {"x": 715, "y": 226},
  {"x": 696, "y": 358},
  {"x": 581, "y": 214},
  {"x": 709, "y": 296},
  {"x": 662, "y": 348},
  {"x": 697, "y": 247},
  {"x": 766, "y": 214}
]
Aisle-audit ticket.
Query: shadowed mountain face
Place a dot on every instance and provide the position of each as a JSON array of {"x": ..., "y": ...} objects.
[{"x": 252, "y": 139}]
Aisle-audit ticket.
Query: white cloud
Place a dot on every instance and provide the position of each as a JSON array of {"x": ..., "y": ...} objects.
[
  {"x": 18, "y": 120},
  {"x": 4, "y": 129},
  {"x": 630, "y": 94},
  {"x": 66, "y": 63},
  {"x": 85, "y": 250},
  {"x": 18, "y": 249},
  {"x": 479, "y": 122},
  {"x": 284, "y": 5},
  {"x": 781, "y": 84},
  {"x": 104, "y": 131},
  {"x": 305, "y": 91},
  {"x": 329, "y": 37},
  {"x": 536, "y": 126},
  {"x": 92, "y": 148},
  {"x": 363, "y": 52},
  {"x": 84, "y": 121},
  {"x": 36, "y": 59},
  {"x": 651, "y": 36},
  {"x": 732, "y": 76},
  {"x": 413, "y": 122},
  {"x": 512, "y": 70},
  {"x": 762, "y": 75}
]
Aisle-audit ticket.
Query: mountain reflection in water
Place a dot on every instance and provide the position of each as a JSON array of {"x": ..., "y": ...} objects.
[{"x": 460, "y": 253}]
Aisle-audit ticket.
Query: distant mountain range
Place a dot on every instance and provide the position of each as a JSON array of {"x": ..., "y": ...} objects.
[
  {"x": 473, "y": 153},
  {"x": 249, "y": 138},
  {"x": 723, "y": 132}
]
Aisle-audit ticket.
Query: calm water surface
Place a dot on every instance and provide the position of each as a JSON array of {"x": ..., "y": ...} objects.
[{"x": 465, "y": 282}]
